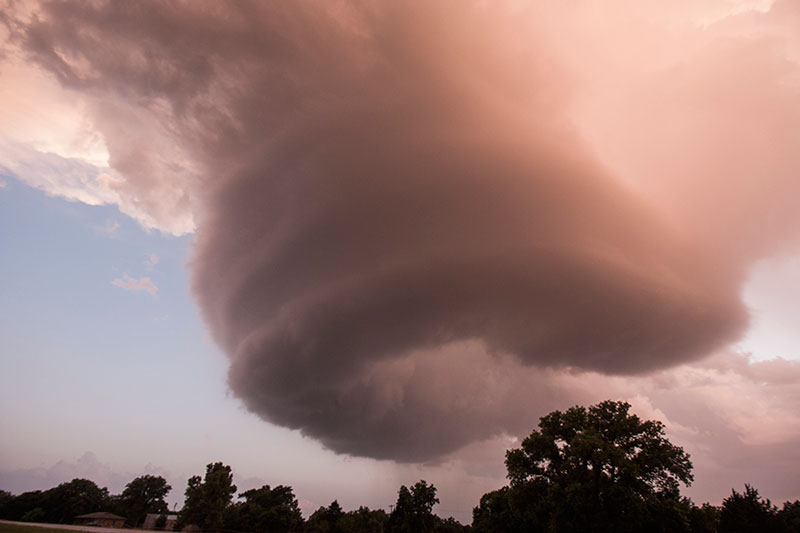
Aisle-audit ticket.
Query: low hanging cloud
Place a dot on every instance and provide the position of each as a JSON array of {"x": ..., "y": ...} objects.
[{"x": 405, "y": 206}]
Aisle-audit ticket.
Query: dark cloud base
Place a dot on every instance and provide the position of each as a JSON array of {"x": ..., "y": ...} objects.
[{"x": 317, "y": 269}]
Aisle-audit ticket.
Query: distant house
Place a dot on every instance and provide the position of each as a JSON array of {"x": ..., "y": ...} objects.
[
  {"x": 99, "y": 520},
  {"x": 151, "y": 521}
]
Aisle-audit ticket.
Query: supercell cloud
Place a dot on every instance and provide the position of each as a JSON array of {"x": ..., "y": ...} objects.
[{"x": 405, "y": 209}]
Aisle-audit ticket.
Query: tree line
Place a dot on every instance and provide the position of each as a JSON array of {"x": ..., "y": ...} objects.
[
  {"x": 599, "y": 470},
  {"x": 61, "y": 504}
]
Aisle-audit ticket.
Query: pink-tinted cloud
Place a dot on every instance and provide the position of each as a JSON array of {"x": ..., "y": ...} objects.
[
  {"x": 151, "y": 261},
  {"x": 143, "y": 283},
  {"x": 425, "y": 226},
  {"x": 56, "y": 138},
  {"x": 87, "y": 466},
  {"x": 110, "y": 227},
  {"x": 737, "y": 418}
]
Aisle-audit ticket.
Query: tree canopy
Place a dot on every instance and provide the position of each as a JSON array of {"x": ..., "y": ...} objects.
[
  {"x": 326, "y": 520},
  {"x": 590, "y": 469},
  {"x": 207, "y": 500},
  {"x": 79, "y": 496},
  {"x": 413, "y": 511},
  {"x": 143, "y": 495},
  {"x": 265, "y": 510},
  {"x": 747, "y": 511}
]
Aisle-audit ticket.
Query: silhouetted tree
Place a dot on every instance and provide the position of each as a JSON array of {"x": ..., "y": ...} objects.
[
  {"x": 365, "y": 520},
  {"x": 326, "y": 520},
  {"x": 193, "y": 507},
  {"x": 667, "y": 514},
  {"x": 18, "y": 506},
  {"x": 748, "y": 512},
  {"x": 143, "y": 495},
  {"x": 5, "y": 499},
  {"x": 495, "y": 513},
  {"x": 521, "y": 508},
  {"x": 265, "y": 510},
  {"x": 413, "y": 512},
  {"x": 595, "y": 470},
  {"x": 449, "y": 525},
  {"x": 68, "y": 500},
  {"x": 790, "y": 516},
  {"x": 704, "y": 519},
  {"x": 207, "y": 500}
]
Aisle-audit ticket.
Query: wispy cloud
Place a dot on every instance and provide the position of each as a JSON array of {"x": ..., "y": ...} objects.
[
  {"x": 151, "y": 261},
  {"x": 110, "y": 227},
  {"x": 136, "y": 284}
]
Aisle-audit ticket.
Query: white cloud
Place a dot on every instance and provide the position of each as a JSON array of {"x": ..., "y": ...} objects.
[
  {"x": 70, "y": 178},
  {"x": 52, "y": 139},
  {"x": 136, "y": 284}
]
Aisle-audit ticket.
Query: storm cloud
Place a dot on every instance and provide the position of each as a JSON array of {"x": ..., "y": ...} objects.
[{"x": 398, "y": 207}]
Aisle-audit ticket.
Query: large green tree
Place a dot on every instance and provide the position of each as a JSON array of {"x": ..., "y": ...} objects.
[
  {"x": 593, "y": 469},
  {"x": 207, "y": 499},
  {"x": 143, "y": 495}
]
